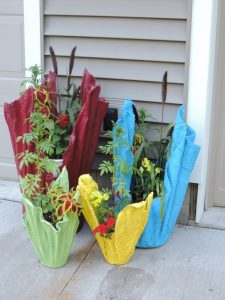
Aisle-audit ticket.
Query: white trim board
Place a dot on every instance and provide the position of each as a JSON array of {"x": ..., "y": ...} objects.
[
  {"x": 33, "y": 21},
  {"x": 200, "y": 91}
]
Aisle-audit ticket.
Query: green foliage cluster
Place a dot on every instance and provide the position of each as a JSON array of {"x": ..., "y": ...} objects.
[
  {"x": 40, "y": 138},
  {"x": 72, "y": 105},
  {"x": 150, "y": 156},
  {"x": 105, "y": 209},
  {"x": 35, "y": 79},
  {"x": 109, "y": 167},
  {"x": 54, "y": 199}
]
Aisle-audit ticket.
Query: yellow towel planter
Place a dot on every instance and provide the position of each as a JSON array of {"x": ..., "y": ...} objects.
[{"x": 129, "y": 226}]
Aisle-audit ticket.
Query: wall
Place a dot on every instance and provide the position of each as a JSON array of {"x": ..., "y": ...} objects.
[
  {"x": 127, "y": 45},
  {"x": 12, "y": 71}
]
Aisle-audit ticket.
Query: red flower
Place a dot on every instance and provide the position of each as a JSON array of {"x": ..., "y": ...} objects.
[
  {"x": 102, "y": 228},
  {"x": 110, "y": 222},
  {"x": 63, "y": 120}
]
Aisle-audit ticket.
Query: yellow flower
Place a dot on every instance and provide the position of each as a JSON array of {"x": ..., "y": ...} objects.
[
  {"x": 97, "y": 197},
  {"x": 105, "y": 196},
  {"x": 146, "y": 164},
  {"x": 157, "y": 170},
  {"x": 138, "y": 139},
  {"x": 96, "y": 203}
]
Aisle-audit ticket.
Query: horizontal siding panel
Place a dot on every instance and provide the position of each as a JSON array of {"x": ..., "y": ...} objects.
[
  {"x": 176, "y": 9},
  {"x": 11, "y": 7},
  {"x": 154, "y": 109},
  {"x": 144, "y": 91},
  {"x": 124, "y": 70},
  {"x": 119, "y": 49},
  {"x": 154, "y": 29}
]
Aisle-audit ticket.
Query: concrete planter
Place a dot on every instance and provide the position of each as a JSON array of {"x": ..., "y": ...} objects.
[
  {"x": 130, "y": 223},
  {"x": 52, "y": 245}
]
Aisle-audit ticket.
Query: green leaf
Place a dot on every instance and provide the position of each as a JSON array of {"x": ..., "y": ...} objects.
[
  {"x": 59, "y": 150},
  {"x": 56, "y": 138},
  {"x": 62, "y": 181}
]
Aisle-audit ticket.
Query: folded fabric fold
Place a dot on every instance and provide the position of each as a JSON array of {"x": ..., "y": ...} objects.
[{"x": 184, "y": 153}]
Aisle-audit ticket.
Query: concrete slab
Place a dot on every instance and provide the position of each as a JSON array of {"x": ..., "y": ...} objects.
[
  {"x": 190, "y": 266},
  {"x": 10, "y": 190},
  {"x": 214, "y": 217},
  {"x": 21, "y": 275}
]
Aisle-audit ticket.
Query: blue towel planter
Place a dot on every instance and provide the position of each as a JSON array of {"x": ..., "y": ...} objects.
[
  {"x": 127, "y": 123},
  {"x": 177, "y": 174}
]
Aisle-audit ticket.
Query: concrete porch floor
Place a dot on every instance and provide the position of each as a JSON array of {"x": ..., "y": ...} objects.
[{"x": 190, "y": 267}]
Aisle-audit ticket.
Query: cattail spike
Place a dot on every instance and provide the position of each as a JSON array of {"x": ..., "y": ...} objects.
[
  {"x": 164, "y": 87},
  {"x": 72, "y": 58},
  {"x": 54, "y": 61}
]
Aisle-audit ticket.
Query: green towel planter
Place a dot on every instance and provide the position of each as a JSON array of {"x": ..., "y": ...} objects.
[{"x": 52, "y": 245}]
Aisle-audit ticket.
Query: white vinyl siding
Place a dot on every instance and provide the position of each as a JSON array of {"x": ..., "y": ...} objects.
[{"x": 126, "y": 44}]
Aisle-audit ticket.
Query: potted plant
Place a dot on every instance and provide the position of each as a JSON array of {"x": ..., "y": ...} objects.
[
  {"x": 116, "y": 224},
  {"x": 77, "y": 116},
  {"x": 51, "y": 208},
  {"x": 163, "y": 166}
]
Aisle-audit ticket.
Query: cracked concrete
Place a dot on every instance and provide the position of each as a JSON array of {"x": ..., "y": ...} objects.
[{"x": 190, "y": 266}]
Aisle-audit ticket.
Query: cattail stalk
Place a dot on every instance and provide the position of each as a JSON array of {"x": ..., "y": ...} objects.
[
  {"x": 55, "y": 67},
  {"x": 54, "y": 61},
  {"x": 71, "y": 65},
  {"x": 164, "y": 94}
]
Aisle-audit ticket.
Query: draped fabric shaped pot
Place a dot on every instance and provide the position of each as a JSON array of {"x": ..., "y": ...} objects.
[
  {"x": 52, "y": 245},
  {"x": 79, "y": 155},
  {"x": 129, "y": 224},
  {"x": 184, "y": 153}
]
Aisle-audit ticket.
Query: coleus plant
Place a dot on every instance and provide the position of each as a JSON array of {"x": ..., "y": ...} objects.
[{"x": 53, "y": 198}]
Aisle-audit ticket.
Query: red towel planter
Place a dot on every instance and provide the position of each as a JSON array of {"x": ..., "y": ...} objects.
[{"x": 78, "y": 157}]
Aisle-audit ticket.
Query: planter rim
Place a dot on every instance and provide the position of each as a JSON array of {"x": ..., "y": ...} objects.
[
  {"x": 57, "y": 159},
  {"x": 40, "y": 216}
]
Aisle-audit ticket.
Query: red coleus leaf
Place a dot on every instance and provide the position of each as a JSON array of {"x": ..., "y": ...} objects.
[
  {"x": 63, "y": 120},
  {"x": 59, "y": 211},
  {"x": 74, "y": 208},
  {"x": 67, "y": 206},
  {"x": 110, "y": 222}
]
